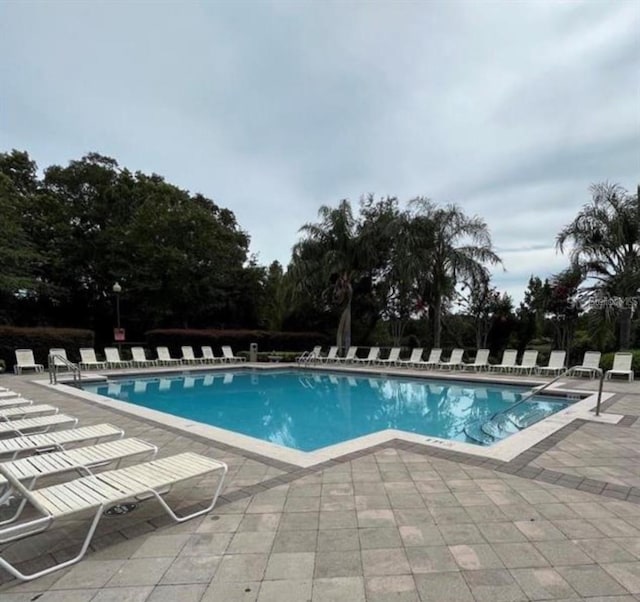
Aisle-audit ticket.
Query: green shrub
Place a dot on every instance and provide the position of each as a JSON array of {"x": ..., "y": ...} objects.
[
  {"x": 606, "y": 363},
  {"x": 40, "y": 340},
  {"x": 239, "y": 340}
]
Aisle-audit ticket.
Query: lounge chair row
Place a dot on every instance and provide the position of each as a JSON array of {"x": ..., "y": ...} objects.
[
  {"x": 509, "y": 363},
  {"x": 28, "y": 430},
  {"x": 88, "y": 360}
]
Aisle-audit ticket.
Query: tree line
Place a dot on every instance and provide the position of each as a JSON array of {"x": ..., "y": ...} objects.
[
  {"x": 68, "y": 236},
  {"x": 378, "y": 272}
]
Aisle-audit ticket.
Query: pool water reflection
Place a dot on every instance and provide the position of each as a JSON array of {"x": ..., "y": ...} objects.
[{"x": 307, "y": 411}]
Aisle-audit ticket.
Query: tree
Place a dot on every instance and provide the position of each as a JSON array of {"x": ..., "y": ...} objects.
[
  {"x": 181, "y": 259},
  {"x": 605, "y": 239},
  {"x": 482, "y": 302},
  {"x": 276, "y": 297},
  {"x": 394, "y": 290},
  {"x": 532, "y": 310},
  {"x": 337, "y": 253},
  {"x": 17, "y": 255},
  {"x": 564, "y": 307},
  {"x": 503, "y": 323},
  {"x": 455, "y": 248},
  {"x": 21, "y": 170}
]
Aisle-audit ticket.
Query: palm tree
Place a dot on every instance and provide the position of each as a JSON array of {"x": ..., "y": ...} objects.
[
  {"x": 606, "y": 248},
  {"x": 336, "y": 251},
  {"x": 455, "y": 250}
]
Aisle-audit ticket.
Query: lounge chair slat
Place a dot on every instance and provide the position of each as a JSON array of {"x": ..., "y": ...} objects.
[
  {"x": 64, "y": 461},
  {"x": 14, "y": 426},
  {"x": 8, "y": 413}
]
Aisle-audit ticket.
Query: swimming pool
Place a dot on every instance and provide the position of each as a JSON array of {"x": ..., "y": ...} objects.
[{"x": 307, "y": 411}]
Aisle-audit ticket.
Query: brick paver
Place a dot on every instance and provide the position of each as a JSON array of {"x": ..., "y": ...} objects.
[{"x": 394, "y": 523}]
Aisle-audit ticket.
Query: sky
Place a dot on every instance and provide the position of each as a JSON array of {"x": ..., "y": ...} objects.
[{"x": 272, "y": 109}]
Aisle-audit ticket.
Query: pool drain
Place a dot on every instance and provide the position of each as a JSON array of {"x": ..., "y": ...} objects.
[{"x": 120, "y": 509}]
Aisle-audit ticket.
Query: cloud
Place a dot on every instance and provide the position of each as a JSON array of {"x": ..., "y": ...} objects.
[{"x": 509, "y": 109}]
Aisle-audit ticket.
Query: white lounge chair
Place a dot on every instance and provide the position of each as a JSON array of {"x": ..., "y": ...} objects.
[
  {"x": 331, "y": 356},
  {"x": 208, "y": 357},
  {"x": 416, "y": 356},
  {"x": 88, "y": 360},
  {"x": 26, "y": 361},
  {"x": 29, "y": 470},
  {"x": 56, "y": 440},
  {"x": 315, "y": 355},
  {"x": 433, "y": 359},
  {"x": 349, "y": 357},
  {"x": 96, "y": 492},
  {"x": 112, "y": 356},
  {"x": 527, "y": 363},
  {"x": 454, "y": 361},
  {"x": 590, "y": 364},
  {"x": 308, "y": 356},
  {"x": 9, "y": 394},
  {"x": 227, "y": 353},
  {"x": 18, "y": 412},
  {"x": 41, "y": 424},
  {"x": 372, "y": 357},
  {"x": 509, "y": 358},
  {"x": 392, "y": 358},
  {"x": 164, "y": 357},
  {"x": 481, "y": 362},
  {"x": 555, "y": 365},
  {"x": 10, "y": 402},
  {"x": 621, "y": 366},
  {"x": 139, "y": 358},
  {"x": 188, "y": 357},
  {"x": 60, "y": 359}
]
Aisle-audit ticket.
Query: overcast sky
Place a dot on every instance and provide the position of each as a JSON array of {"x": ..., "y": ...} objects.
[{"x": 510, "y": 109}]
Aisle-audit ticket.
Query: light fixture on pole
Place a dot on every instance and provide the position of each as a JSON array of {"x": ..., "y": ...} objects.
[
  {"x": 117, "y": 289},
  {"x": 118, "y": 334}
]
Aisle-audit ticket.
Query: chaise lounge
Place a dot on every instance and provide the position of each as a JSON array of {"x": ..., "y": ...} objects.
[
  {"x": 26, "y": 361},
  {"x": 93, "y": 493}
]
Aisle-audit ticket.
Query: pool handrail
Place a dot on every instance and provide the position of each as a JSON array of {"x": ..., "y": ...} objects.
[{"x": 537, "y": 390}]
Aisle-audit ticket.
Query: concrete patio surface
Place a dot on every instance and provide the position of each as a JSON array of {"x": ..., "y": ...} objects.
[{"x": 399, "y": 521}]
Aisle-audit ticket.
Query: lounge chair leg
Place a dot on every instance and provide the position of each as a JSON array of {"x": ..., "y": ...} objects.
[
  {"x": 182, "y": 519},
  {"x": 7, "y": 566},
  {"x": 23, "y": 530},
  {"x": 6, "y": 496},
  {"x": 19, "y": 509}
]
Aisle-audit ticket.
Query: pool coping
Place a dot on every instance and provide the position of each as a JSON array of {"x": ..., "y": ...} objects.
[{"x": 503, "y": 451}]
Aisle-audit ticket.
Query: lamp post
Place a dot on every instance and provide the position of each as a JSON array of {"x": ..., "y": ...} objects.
[{"x": 117, "y": 289}]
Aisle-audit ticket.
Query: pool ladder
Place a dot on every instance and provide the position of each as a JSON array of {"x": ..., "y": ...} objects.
[
  {"x": 480, "y": 431},
  {"x": 55, "y": 361}
]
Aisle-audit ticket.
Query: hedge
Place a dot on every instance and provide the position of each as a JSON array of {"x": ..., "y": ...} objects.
[
  {"x": 606, "y": 362},
  {"x": 239, "y": 340},
  {"x": 40, "y": 340}
]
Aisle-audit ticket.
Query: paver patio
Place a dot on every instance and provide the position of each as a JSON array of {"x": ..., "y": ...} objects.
[{"x": 397, "y": 522}]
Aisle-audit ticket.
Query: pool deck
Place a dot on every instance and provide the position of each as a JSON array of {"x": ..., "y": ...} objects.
[{"x": 399, "y": 520}]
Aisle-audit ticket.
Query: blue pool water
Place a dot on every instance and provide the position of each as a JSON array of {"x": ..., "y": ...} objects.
[{"x": 307, "y": 411}]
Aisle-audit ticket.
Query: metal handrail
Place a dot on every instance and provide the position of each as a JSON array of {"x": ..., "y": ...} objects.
[
  {"x": 53, "y": 368},
  {"x": 541, "y": 388}
]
